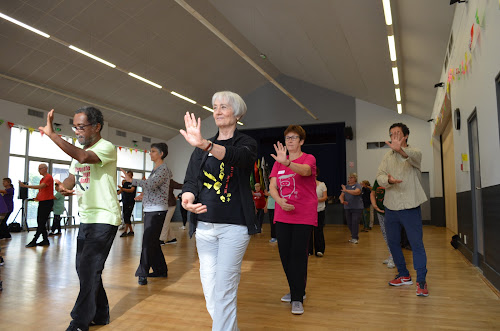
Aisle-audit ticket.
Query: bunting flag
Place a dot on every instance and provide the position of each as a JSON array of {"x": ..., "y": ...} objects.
[
  {"x": 135, "y": 150},
  {"x": 120, "y": 148},
  {"x": 74, "y": 140},
  {"x": 31, "y": 130},
  {"x": 10, "y": 124},
  {"x": 1, "y": 122},
  {"x": 131, "y": 150},
  {"x": 145, "y": 151}
]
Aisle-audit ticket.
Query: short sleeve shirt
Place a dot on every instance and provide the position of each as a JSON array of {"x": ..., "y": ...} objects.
[
  {"x": 128, "y": 198},
  {"x": 95, "y": 186},
  {"x": 58, "y": 207},
  {"x": 9, "y": 199},
  {"x": 259, "y": 199},
  {"x": 320, "y": 188},
  {"x": 379, "y": 195},
  {"x": 354, "y": 201},
  {"x": 299, "y": 191},
  {"x": 46, "y": 193}
]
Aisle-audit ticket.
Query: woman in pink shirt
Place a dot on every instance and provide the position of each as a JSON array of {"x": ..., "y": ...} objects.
[{"x": 293, "y": 186}]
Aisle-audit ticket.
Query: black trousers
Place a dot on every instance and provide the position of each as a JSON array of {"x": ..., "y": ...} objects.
[
  {"x": 4, "y": 229},
  {"x": 184, "y": 214},
  {"x": 56, "y": 224},
  {"x": 127, "y": 212},
  {"x": 43, "y": 212},
  {"x": 93, "y": 245},
  {"x": 293, "y": 244},
  {"x": 259, "y": 218},
  {"x": 270, "y": 212},
  {"x": 317, "y": 235},
  {"x": 152, "y": 255}
]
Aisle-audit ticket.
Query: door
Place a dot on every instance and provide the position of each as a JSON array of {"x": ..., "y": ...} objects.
[
  {"x": 450, "y": 188},
  {"x": 475, "y": 178}
]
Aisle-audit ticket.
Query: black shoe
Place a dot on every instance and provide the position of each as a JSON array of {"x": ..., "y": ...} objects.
[
  {"x": 158, "y": 274},
  {"x": 173, "y": 241},
  {"x": 51, "y": 233},
  {"x": 162, "y": 243},
  {"x": 44, "y": 243},
  {"x": 31, "y": 244},
  {"x": 1, "y": 260},
  {"x": 124, "y": 234},
  {"x": 72, "y": 327},
  {"x": 130, "y": 234},
  {"x": 100, "y": 322},
  {"x": 142, "y": 280}
]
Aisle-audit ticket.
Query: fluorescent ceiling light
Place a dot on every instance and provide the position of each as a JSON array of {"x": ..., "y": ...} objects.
[
  {"x": 183, "y": 97},
  {"x": 10, "y": 19},
  {"x": 239, "y": 123},
  {"x": 144, "y": 80},
  {"x": 81, "y": 51},
  {"x": 395, "y": 75},
  {"x": 392, "y": 47},
  {"x": 209, "y": 109},
  {"x": 400, "y": 109},
  {"x": 387, "y": 11},
  {"x": 398, "y": 95}
]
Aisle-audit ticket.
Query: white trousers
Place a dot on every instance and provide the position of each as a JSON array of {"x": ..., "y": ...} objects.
[
  {"x": 221, "y": 248},
  {"x": 166, "y": 234}
]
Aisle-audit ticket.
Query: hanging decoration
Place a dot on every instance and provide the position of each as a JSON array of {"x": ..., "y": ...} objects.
[
  {"x": 10, "y": 124},
  {"x": 1, "y": 122},
  {"x": 31, "y": 130}
]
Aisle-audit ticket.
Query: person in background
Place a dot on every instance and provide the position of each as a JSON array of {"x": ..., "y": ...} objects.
[
  {"x": 45, "y": 198},
  {"x": 155, "y": 204},
  {"x": 58, "y": 210},
  {"x": 353, "y": 205},
  {"x": 377, "y": 200},
  {"x": 183, "y": 212},
  {"x": 317, "y": 239},
  {"x": 217, "y": 193},
  {"x": 365, "y": 195},
  {"x": 293, "y": 186},
  {"x": 259, "y": 198},
  {"x": 8, "y": 198},
  {"x": 270, "y": 212},
  {"x": 400, "y": 174},
  {"x": 127, "y": 190},
  {"x": 93, "y": 175},
  {"x": 166, "y": 232}
]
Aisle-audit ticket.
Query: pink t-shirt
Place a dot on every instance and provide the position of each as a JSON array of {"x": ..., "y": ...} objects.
[{"x": 299, "y": 191}]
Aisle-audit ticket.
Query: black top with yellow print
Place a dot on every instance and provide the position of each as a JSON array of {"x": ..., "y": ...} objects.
[{"x": 220, "y": 192}]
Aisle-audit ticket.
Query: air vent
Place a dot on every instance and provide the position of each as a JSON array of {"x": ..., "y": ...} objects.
[
  {"x": 146, "y": 139},
  {"x": 70, "y": 121},
  {"x": 121, "y": 133},
  {"x": 376, "y": 145},
  {"x": 35, "y": 113}
]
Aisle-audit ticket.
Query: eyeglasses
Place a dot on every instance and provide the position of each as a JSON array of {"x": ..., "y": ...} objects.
[
  {"x": 288, "y": 138},
  {"x": 80, "y": 127}
]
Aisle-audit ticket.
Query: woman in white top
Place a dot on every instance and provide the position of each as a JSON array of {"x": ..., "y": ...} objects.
[{"x": 317, "y": 236}]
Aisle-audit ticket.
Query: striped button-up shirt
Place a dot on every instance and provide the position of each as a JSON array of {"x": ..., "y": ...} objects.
[{"x": 409, "y": 193}]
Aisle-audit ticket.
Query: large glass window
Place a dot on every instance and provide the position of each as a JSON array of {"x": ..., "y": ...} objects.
[
  {"x": 129, "y": 159},
  {"x": 16, "y": 174},
  {"x": 42, "y": 146},
  {"x": 18, "y": 141}
]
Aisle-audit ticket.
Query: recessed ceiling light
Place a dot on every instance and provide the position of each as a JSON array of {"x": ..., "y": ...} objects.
[
  {"x": 209, "y": 109},
  {"x": 387, "y": 11},
  {"x": 398, "y": 95},
  {"x": 13, "y": 20},
  {"x": 395, "y": 75},
  {"x": 392, "y": 47},
  {"x": 145, "y": 80},
  {"x": 400, "y": 109},
  {"x": 183, "y": 97},
  {"x": 81, "y": 51}
]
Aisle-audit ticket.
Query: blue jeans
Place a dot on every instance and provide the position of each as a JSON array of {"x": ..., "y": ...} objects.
[{"x": 411, "y": 220}]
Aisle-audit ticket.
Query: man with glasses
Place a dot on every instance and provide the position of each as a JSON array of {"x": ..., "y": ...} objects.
[
  {"x": 399, "y": 172},
  {"x": 45, "y": 198},
  {"x": 93, "y": 179}
]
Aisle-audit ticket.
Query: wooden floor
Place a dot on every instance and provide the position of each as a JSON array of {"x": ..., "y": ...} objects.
[{"x": 346, "y": 289}]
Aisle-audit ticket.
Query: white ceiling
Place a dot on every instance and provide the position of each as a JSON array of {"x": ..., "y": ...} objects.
[{"x": 336, "y": 44}]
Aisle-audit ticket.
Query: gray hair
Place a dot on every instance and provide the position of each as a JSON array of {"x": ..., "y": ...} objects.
[{"x": 234, "y": 100}]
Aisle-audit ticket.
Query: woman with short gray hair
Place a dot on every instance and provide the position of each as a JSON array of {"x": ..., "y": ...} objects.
[{"x": 353, "y": 205}]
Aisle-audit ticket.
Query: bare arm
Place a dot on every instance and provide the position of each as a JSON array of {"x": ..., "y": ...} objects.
[
  {"x": 374, "y": 202},
  {"x": 35, "y": 187},
  {"x": 301, "y": 169},
  {"x": 323, "y": 198}
]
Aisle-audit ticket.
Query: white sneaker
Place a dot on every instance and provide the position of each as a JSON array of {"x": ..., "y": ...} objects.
[
  {"x": 183, "y": 227},
  {"x": 391, "y": 264},
  {"x": 387, "y": 260},
  {"x": 288, "y": 298},
  {"x": 320, "y": 254},
  {"x": 297, "y": 308},
  {"x": 354, "y": 241},
  {"x": 273, "y": 240}
]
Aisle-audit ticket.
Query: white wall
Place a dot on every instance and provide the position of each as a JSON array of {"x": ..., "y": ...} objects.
[
  {"x": 372, "y": 125},
  {"x": 476, "y": 89}
]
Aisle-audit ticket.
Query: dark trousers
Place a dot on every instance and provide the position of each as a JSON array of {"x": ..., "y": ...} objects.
[
  {"x": 44, "y": 209},
  {"x": 366, "y": 218},
  {"x": 127, "y": 212},
  {"x": 93, "y": 245},
  {"x": 259, "y": 218},
  {"x": 293, "y": 244},
  {"x": 352, "y": 217},
  {"x": 270, "y": 212},
  {"x": 184, "y": 214},
  {"x": 152, "y": 255},
  {"x": 317, "y": 235},
  {"x": 56, "y": 224},
  {"x": 4, "y": 229},
  {"x": 411, "y": 220}
]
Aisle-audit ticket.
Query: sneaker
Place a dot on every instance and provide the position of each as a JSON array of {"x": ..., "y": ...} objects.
[
  {"x": 288, "y": 298},
  {"x": 130, "y": 234},
  {"x": 123, "y": 235},
  {"x": 391, "y": 264},
  {"x": 44, "y": 243},
  {"x": 422, "y": 289},
  {"x": 183, "y": 227},
  {"x": 401, "y": 280},
  {"x": 173, "y": 241},
  {"x": 31, "y": 244},
  {"x": 319, "y": 254},
  {"x": 162, "y": 243},
  {"x": 387, "y": 260},
  {"x": 273, "y": 240},
  {"x": 354, "y": 241},
  {"x": 51, "y": 233},
  {"x": 1, "y": 260},
  {"x": 142, "y": 280},
  {"x": 297, "y": 308}
]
